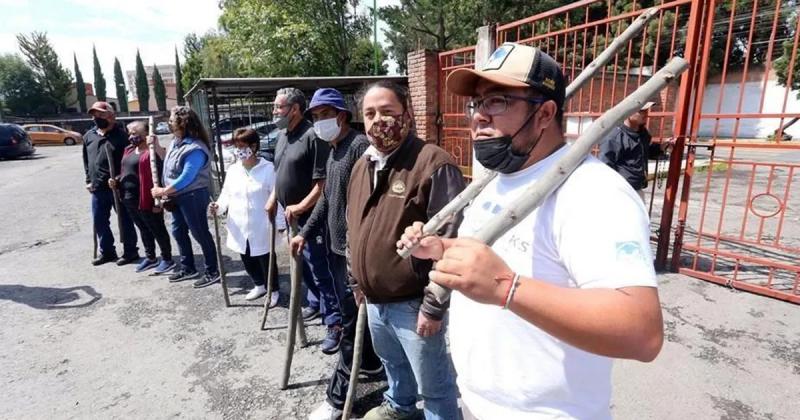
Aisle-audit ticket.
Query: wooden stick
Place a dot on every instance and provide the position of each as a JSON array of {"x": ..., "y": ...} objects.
[
  {"x": 296, "y": 269},
  {"x": 221, "y": 268},
  {"x": 355, "y": 367},
  {"x": 270, "y": 276},
  {"x": 535, "y": 194},
  {"x": 153, "y": 162},
  {"x": 115, "y": 193},
  {"x": 473, "y": 189}
]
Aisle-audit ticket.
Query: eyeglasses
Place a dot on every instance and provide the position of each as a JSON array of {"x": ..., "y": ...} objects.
[{"x": 495, "y": 104}]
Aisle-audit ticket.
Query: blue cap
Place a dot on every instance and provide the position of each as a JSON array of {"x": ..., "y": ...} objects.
[{"x": 330, "y": 97}]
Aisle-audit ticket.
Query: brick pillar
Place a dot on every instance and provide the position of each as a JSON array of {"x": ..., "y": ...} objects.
[{"x": 423, "y": 86}]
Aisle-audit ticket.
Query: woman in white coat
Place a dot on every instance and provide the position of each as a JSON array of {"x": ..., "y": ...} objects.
[{"x": 248, "y": 184}]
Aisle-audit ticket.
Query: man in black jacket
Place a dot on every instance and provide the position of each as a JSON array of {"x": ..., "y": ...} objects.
[
  {"x": 627, "y": 148},
  {"x": 107, "y": 138}
]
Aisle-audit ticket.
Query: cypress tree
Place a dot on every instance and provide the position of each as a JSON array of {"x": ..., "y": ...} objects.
[
  {"x": 159, "y": 90},
  {"x": 142, "y": 90},
  {"x": 178, "y": 79},
  {"x": 99, "y": 81},
  {"x": 80, "y": 86},
  {"x": 119, "y": 82}
]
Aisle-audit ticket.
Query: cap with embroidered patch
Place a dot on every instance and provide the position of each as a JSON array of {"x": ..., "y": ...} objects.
[{"x": 514, "y": 65}]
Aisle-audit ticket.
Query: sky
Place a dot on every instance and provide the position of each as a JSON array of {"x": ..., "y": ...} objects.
[{"x": 115, "y": 27}]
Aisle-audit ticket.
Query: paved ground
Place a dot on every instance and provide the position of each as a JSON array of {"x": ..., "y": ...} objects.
[{"x": 84, "y": 342}]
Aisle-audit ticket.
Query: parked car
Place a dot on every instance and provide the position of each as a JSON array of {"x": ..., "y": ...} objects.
[
  {"x": 14, "y": 141},
  {"x": 49, "y": 134},
  {"x": 227, "y": 125},
  {"x": 162, "y": 128}
]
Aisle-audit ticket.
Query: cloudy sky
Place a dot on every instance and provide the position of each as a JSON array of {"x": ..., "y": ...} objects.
[{"x": 116, "y": 27}]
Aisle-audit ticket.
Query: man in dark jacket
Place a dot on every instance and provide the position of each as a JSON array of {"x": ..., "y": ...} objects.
[
  {"x": 627, "y": 148},
  {"x": 399, "y": 180},
  {"x": 332, "y": 124},
  {"x": 107, "y": 138}
]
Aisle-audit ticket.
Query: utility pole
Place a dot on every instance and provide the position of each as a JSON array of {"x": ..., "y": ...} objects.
[{"x": 375, "y": 36}]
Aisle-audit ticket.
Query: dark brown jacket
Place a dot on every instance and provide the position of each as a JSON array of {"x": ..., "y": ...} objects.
[{"x": 417, "y": 181}]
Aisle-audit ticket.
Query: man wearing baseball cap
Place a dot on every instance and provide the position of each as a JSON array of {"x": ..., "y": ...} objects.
[
  {"x": 331, "y": 118},
  {"x": 537, "y": 317},
  {"x": 107, "y": 138},
  {"x": 628, "y": 148}
]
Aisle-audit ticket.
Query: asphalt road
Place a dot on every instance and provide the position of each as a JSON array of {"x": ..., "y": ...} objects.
[{"x": 86, "y": 342}]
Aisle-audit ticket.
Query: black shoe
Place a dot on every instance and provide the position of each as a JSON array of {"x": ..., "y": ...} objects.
[
  {"x": 127, "y": 260},
  {"x": 207, "y": 280},
  {"x": 372, "y": 373},
  {"x": 330, "y": 345},
  {"x": 102, "y": 259},
  {"x": 309, "y": 313},
  {"x": 182, "y": 275}
]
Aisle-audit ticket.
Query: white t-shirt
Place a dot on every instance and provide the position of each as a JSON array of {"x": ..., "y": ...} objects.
[{"x": 592, "y": 232}]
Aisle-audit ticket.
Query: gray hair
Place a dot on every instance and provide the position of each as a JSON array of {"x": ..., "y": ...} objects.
[
  {"x": 293, "y": 96},
  {"x": 139, "y": 124}
]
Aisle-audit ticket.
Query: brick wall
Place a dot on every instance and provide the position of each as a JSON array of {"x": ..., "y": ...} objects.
[{"x": 423, "y": 85}]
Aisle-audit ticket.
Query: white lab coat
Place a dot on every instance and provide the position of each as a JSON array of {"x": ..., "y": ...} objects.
[{"x": 244, "y": 195}]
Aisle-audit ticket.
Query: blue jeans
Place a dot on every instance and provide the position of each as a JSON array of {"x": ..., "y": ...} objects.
[
  {"x": 414, "y": 364},
  {"x": 190, "y": 216},
  {"x": 102, "y": 203},
  {"x": 318, "y": 275}
]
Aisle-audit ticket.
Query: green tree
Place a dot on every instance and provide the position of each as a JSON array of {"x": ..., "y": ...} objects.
[
  {"x": 99, "y": 80},
  {"x": 159, "y": 90},
  {"x": 80, "y": 86},
  {"x": 54, "y": 79},
  {"x": 178, "y": 79},
  {"x": 20, "y": 91},
  {"x": 142, "y": 89},
  {"x": 448, "y": 24},
  {"x": 119, "y": 83},
  {"x": 290, "y": 38}
]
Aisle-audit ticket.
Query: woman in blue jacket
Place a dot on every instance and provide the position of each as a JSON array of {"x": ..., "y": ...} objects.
[{"x": 186, "y": 180}]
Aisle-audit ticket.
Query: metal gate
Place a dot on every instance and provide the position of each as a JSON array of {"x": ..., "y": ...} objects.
[
  {"x": 455, "y": 127},
  {"x": 740, "y": 201}
]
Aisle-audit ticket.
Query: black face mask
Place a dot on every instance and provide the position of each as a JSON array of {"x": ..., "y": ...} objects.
[
  {"x": 496, "y": 153},
  {"x": 101, "y": 123}
]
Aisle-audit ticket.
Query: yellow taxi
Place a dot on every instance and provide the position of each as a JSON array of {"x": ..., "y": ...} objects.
[{"x": 42, "y": 134}]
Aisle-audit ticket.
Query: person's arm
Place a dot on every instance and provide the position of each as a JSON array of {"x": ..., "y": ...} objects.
[
  {"x": 612, "y": 308},
  {"x": 192, "y": 165},
  {"x": 86, "y": 162},
  {"x": 446, "y": 183},
  {"x": 223, "y": 201},
  {"x": 317, "y": 218}
]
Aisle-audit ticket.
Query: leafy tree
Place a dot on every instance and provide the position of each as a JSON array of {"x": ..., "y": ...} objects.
[
  {"x": 178, "y": 77},
  {"x": 290, "y": 38},
  {"x": 53, "y": 78},
  {"x": 119, "y": 82},
  {"x": 99, "y": 80},
  {"x": 159, "y": 90},
  {"x": 142, "y": 89},
  {"x": 21, "y": 92},
  {"x": 80, "y": 86}
]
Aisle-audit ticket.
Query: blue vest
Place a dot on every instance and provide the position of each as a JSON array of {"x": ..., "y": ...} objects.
[{"x": 173, "y": 163}]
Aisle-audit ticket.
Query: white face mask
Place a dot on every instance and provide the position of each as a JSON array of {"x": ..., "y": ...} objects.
[
  {"x": 328, "y": 129},
  {"x": 243, "y": 154}
]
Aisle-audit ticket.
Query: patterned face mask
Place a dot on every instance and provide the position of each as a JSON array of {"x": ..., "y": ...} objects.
[
  {"x": 244, "y": 153},
  {"x": 387, "y": 133}
]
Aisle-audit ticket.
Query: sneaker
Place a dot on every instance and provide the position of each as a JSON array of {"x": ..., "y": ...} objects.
[
  {"x": 127, "y": 260},
  {"x": 310, "y": 313},
  {"x": 273, "y": 300},
  {"x": 182, "y": 275},
  {"x": 326, "y": 412},
  {"x": 207, "y": 280},
  {"x": 102, "y": 259},
  {"x": 146, "y": 264},
  {"x": 164, "y": 266},
  {"x": 385, "y": 411},
  {"x": 378, "y": 371},
  {"x": 330, "y": 344},
  {"x": 256, "y": 293}
]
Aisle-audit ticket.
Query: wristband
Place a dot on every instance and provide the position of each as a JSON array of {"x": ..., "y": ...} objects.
[{"x": 511, "y": 291}]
